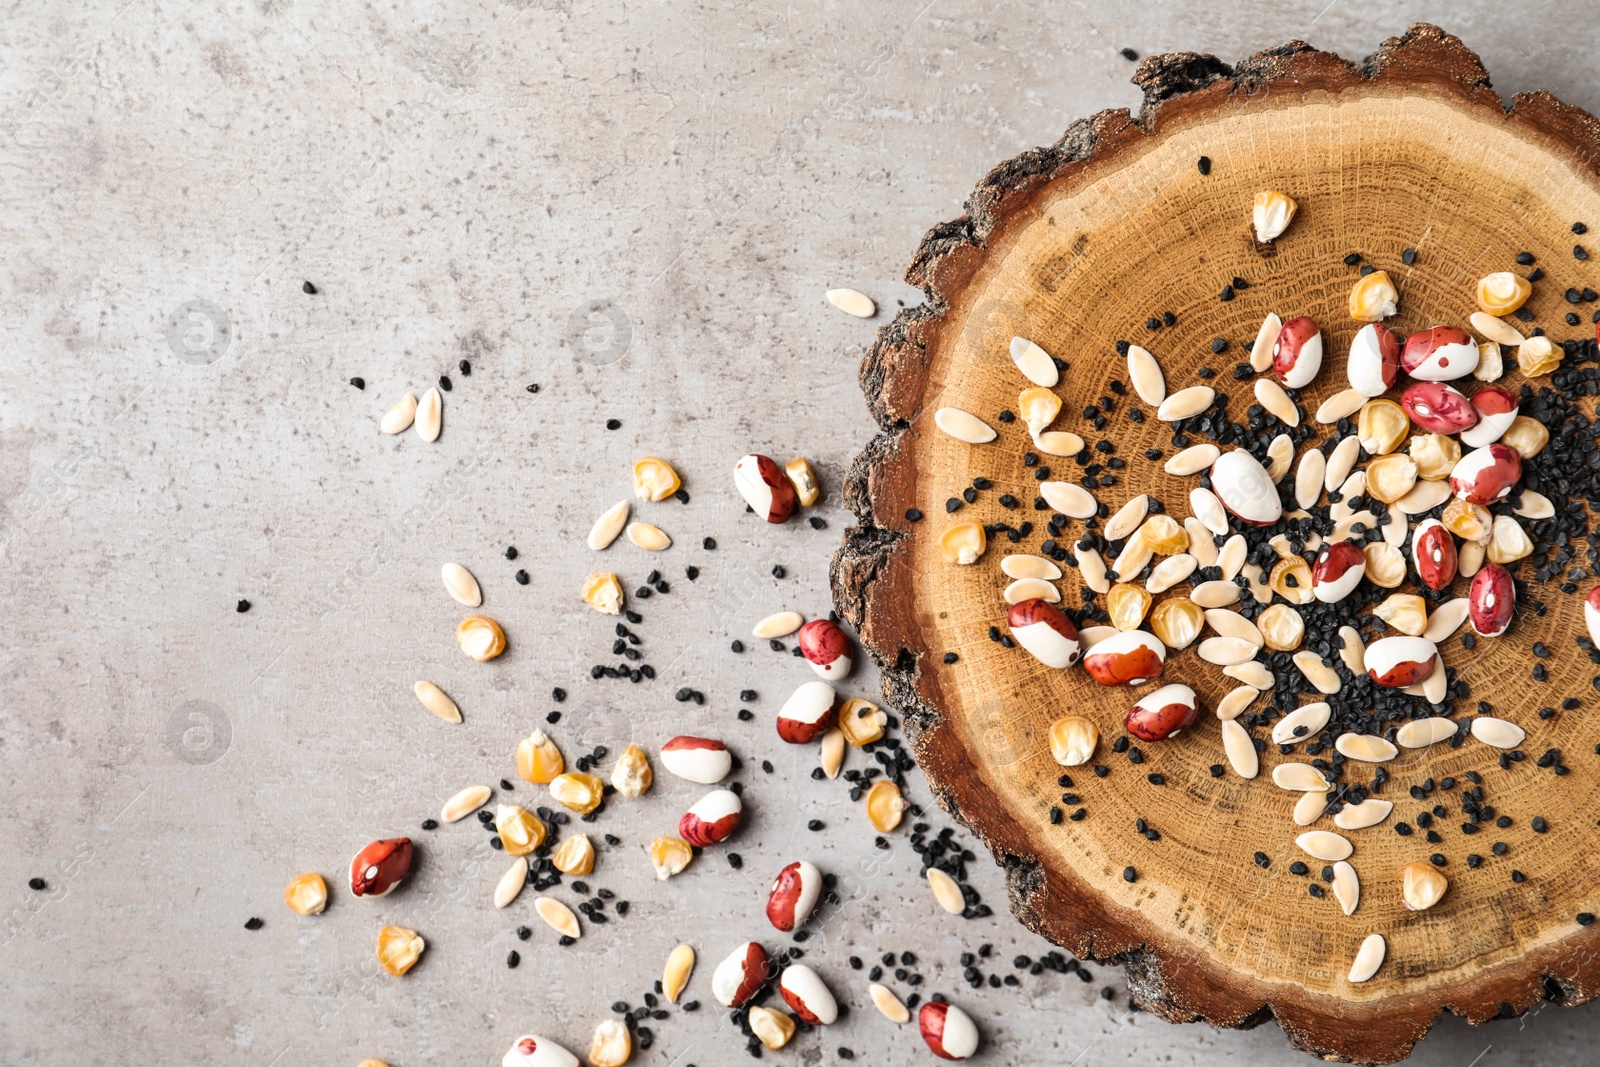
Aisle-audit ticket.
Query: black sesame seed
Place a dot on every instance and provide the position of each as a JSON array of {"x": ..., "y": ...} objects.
[
  {"x": 1204, "y": 164},
  {"x": 1129, "y": 874},
  {"x": 359, "y": 383},
  {"x": 253, "y": 923},
  {"x": 242, "y": 607},
  {"x": 37, "y": 884}
]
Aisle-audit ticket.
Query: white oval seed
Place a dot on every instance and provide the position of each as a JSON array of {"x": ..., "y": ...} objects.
[
  {"x": 888, "y": 1004},
  {"x": 1034, "y": 363},
  {"x": 946, "y": 891},
  {"x": 558, "y": 915},
  {"x": 1341, "y": 461},
  {"x": 649, "y": 537},
  {"x": 1215, "y": 594},
  {"x": 1534, "y": 505},
  {"x": 399, "y": 418},
  {"x": 464, "y": 803},
  {"x": 511, "y": 883},
  {"x": 1240, "y": 752},
  {"x": 1270, "y": 395},
  {"x": 1170, "y": 571},
  {"x": 1313, "y": 717},
  {"x": 1420, "y": 733},
  {"x": 852, "y": 302},
  {"x": 1266, "y": 340},
  {"x": 1368, "y": 748},
  {"x": 1352, "y": 651},
  {"x": 1069, "y": 498},
  {"x": 1346, "y": 886},
  {"x": 1186, "y": 403},
  {"x": 1311, "y": 806},
  {"x": 430, "y": 415},
  {"x": 1058, "y": 443},
  {"x": 1127, "y": 518},
  {"x": 1497, "y": 732},
  {"x": 1280, "y": 453},
  {"x": 964, "y": 426},
  {"x": 1446, "y": 619},
  {"x": 1201, "y": 546},
  {"x": 1233, "y": 705},
  {"x": 779, "y": 624},
  {"x": 1369, "y": 812},
  {"x": 1208, "y": 509},
  {"x": 1226, "y": 651},
  {"x": 1309, "y": 476},
  {"x": 1493, "y": 328},
  {"x": 1145, "y": 374},
  {"x": 1092, "y": 568},
  {"x": 1192, "y": 460},
  {"x": 1232, "y": 557},
  {"x": 1325, "y": 845},
  {"x": 1023, "y": 565},
  {"x": 1232, "y": 624},
  {"x": 1369, "y": 957},
  {"x": 1318, "y": 673},
  {"x": 1339, "y": 406},
  {"x": 1253, "y": 673},
  {"x": 1299, "y": 778},
  {"x": 461, "y": 585},
  {"x": 434, "y": 699},
  {"x": 1424, "y": 496},
  {"x": 1031, "y": 589},
  {"x": 608, "y": 526}
]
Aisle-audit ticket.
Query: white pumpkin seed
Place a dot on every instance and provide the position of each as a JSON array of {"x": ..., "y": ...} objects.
[
  {"x": 433, "y": 698},
  {"x": 1344, "y": 529},
  {"x": 1318, "y": 673},
  {"x": 1192, "y": 460},
  {"x": 1424, "y": 496},
  {"x": 1369, "y": 957},
  {"x": 1395, "y": 533},
  {"x": 1340, "y": 405},
  {"x": 1368, "y": 748},
  {"x": 511, "y": 883},
  {"x": 1145, "y": 374},
  {"x": 964, "y": 426},
  {"x": 1325, "y": 845},
  {"x": 830, "y": 756},
  {"x": 1127, "y": 518},
  {"x": 1208, "y": 509},
  {"x": 464, "y": 803},
  {"x": 1470, "y": 557},
  {"x": 1133, "y": 558},
  {"x": 1186, "y": 403},
  {"x": 1090, "y": 636},
  {"x": 1369, "y": 812},
  {"x": 1241, "y": 753},
  {"x": 1215, "y": 594},
  {"x": 1497, "y": 732},
  {"x": 1313, "y": 717},
  {"x": 1280, "y": 454},
  {"x": 1058, "y": 443},
  {"x": 1266, "y": 340},
  {"x": 430, "y": 415},
  {"x": 1420, "y": 733},
  {"x": 1346, "y": 886},
  {"x": 1092, "y": 569},
  {"x": 1253, "y": 673},
  {"x": 1436, "y": 684},
  {"x": 888, "y": 1005},
  {"x": 1341, "y": 461},
  {"x": 649, "y": 537},
  {"x": 778, "y": 624},
  {"x": 1311, "y": 806},
  {"x": 1233, "y": 704},
  {"x": 558, "y": 915},
  {"x": 1256, "y": 579},
  {"x": 1493, "y": 328},
  {"x": 1024, "y": 565},
  {"x": 1299, "y": 778},
  {"x": 1170, "y": 571},
  {"x": 1069, "y": 498},
  {"x": 1446, "y": 619},
  {"x": 1201, "y": 546},
  {"x": 1352, "y": 651},
  {"x": 1308, "y": 477},
  {"x": 1031, "y": 589},
  {"x": 1226, "y": 651},
  {"x": 399, "y": 418},
  {"x": 946, "y": 891},
  {"x": 608, "y": 526},
  {"x": 1232, "y": 624},
  {"x": 461, "y": 585},
  {"x": 1233, "y": 556},
  {"x": 852, "y": 302},
  {"x": 1270, "y": 395},
  {"x": 1034, "y": 363},
  {"x": 1534, "y": 505}
]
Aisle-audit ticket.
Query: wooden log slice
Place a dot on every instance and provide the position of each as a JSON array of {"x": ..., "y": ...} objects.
[{"x": 1075, "y": 246}]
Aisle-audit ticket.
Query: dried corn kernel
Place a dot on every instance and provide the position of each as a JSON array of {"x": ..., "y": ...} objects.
[
  {"x": 399, "y": 949},
  {"x": 307, "y": 894},
  {"x": 1470, "y": 522},
  {"x": 1072, "y": 740},
  {"x": 1435, "y": 455},
  {"x": 481, "y": 637},
  {"x": 520, "y": 830},
  {"x": 603, "y": 593},
  {"x": 538, "y": 758},
  {"x": 1281, "y": 627},
  {"x": 632, "y": 775},
  {"x": 885, "y": 805},
  {"x": 1373, "y": 298},
  {"x": 1291, "y": 579},
  {"x": 1503, "y": 292},
  {"x": 1163, "y": 536},
  {"x": 578, "y": 792},
  {"x": 861, "y": 722},
  {"x": 574, "y": 856},
  {"x": 1527, "y": 435},
  {"x": 1271, "y": 214},
  {"x": 654, "y": 479},
  {"x": 669, "y": 856},
  {"x": 1421, "y": 885},
  {"x": 1390, "y": 477},
  {"x": 1385, "y": 564},
  {"x": 1381, "y": 426},
  {"x": 772, "y": 1028},
  {"x": 1038, "y": 408},
  {"x": 804, "y": 479},
  {"x": 1128, "y": 605},
  {"x": 1538, "y": 355},
  {"x": 611, "y": 1046},
  {"x": 963, "y": 543},
  {"x": 1491, "y": 363},
  {"x": 1406, "y": 612},
  {"x": 1508, "y": 541},
  {"x": 1177, "y": 621}
]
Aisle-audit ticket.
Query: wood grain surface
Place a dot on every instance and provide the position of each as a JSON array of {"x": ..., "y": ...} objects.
[{"x": 1076, "y": 246}]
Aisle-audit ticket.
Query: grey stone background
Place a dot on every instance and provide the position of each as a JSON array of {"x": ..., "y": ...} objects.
[{"x": 471, "y": 180}]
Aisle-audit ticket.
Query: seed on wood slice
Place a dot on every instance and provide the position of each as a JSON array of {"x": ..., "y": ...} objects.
[
  {"x": 1201, "y": 546},
  {"x": 1232, "y": 557},
  {"x": 1093, "y": 570},
  {"x": 511, "y": 883},
  {"x": 558, "y": 915},
  {"x": 1325, "y": 845},
  {"x": 1497, "y": 732},
  {"x": 1186, "y": 403},
  {"x": 1177, "y": 621},
  {"x": 1436, "y": 684},
  {"x": 1423, "y": 497},
  {"x": 1352, "y": 650},
  {"x": 831, "y": 756},
  {"x": 1038, "y": 408},
  {"x": 464, "y": 803},
  {"x": 1369, "y": 812},
  {"x": 1280, "y": 452},
  {"x": 1299, "y": 778},
  {"x": 1127, "y": 518},
  {"x": 1282, "y": 627},
  {"x": 1090, "y": 636},
  {"x": 399, "y": 418},
  {"x": 1270, "y": 395},
  {"x": 649, "y": 537},
  {"x": 675, "y": 976},
  {"x": 964, "y": 426},
  {"x": 780, "y": 624},
  {"x": 1192, "y": 460},
  {"x": 1446, "y": 619},
  {"x": 1031, "y": 589},
  {"x": 1341, "y": 461},
  {"x": 888, "y": 1004},
  {"x": 608, "y": 526},
  {"x": 1266, "y": 340},
  {"x": 461, "y": 585},
  {"x": 1240, "y": 752},
  {"x": 1369, "y": 957},
  {"x": 1208, "y": 509},
  {"x": 1292, "y": 579},
  {"x": 430, "y": 415},
  {"x": 1233, "y": 704},
  {"x": 963, "y": 543},
  {"x": 1058, "y": 443},
  {"x": 1170, "y": 571},
  {"x": 1383, "y": 564},
  {"x": 1469, "y": 558},
  {"x": 1508, "y": 541},
  {"x": 1368, "y": 748},
  {"x": 1340, "y": 405},
  {"x": 1132, "y": 559},
  {"x": 852, "y": 302},
  {"x": 1495, "y": 329},
  {"x": 1421, "y": 885},
  {"x": 1311, "y": 806},
  {"x": 1145, "y": 374},
  {"x": 1346, "y": 886},
  {"x": 1318, "y": 673},
  {"x": 946, "y": 891},
  {"x": 1343, "y": 530},
  {"x": 1232, "y": 624},
  {"x": 1034, "y": 363},
  {"x": 1395, "y": 534},
  {"x": 1420, "y": 733},
  {"x": 1069, "y": 498},
  {"x": 1023, "y": 565},
  {"x": 1491, "y": 363},
  {"x": 1260, "y": 588},
  {"x": 1308, "y": 477},
  {"x": 1534, "y": 506},
  {"x": 1226, "y": 651},
  {"x": 1286, "y": 731},
  {"x": 434, "y": 699},
  {"x": 1215, "y": 594},
  {"x": 1072, "y": 740},
  {"x": 1271, "y": 214},
  {"x": 1405, "y": 612},
  {"x": 1280, "y": 545}
]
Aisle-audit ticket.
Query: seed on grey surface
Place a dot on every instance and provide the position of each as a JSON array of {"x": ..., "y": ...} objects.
[
  {"x": 308, "y": 288},
  {"x": 359, "y": 383},
  {"x": 252, "y": 923},
  {"x": 242, "y": 607}
]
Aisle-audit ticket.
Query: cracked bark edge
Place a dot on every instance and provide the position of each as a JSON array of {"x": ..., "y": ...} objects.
[{"x": 868, "y": 581}]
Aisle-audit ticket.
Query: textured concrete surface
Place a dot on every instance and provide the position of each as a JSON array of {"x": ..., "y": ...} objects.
[{"x": 637, "y": 206}]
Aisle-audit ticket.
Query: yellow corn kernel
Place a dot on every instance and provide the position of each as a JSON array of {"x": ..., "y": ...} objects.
[
  {"x": 669, "y": 856},
  {"x": 632, "y": 775},
  {"x": 577, "y": 792},
  {"x": 611, "y": 1046},
  {"x": 1281, "y": 627},
  {"x": 1385, "y": 565},
  {"x": 1291, "y": 579},
  {"x": 885, "y": 805},
  {"x": 1127, "y": 605},
  {"x": 1038, "y": 407},
  {"x": 1503, "y": 292},
  {"x": 1539, "y": 355},
  {"x": 603, "y": 593},
  {"x": 1177, "y": 621},
  {"x": 1381, "y": 426},
  {"x": 399, "y": 949},
  {"x": 1527, "y": 435},
  {"x": 538, "y": 758},
  {"x": 574, "y": 856},
  {"x": 861, "y": 722},
  {"x": 1072, "y": 740},
  {"x": 1373, "y": 298},
  {"x": 1435, "y": 455},
  {"x": 1406, "y": 612},
  {"x": 1391, "y": 476},
  {"x": 772, "y": 1028},
  {"x": 520, "y": 830},
  {"x": 1271, "y": 214},
  {"x": 964, "y": 542},
  {"x": 481, "y": 637},
  {"x": 804, "y": 479},
  {"x": 307, "y": 894},
  {"x": 675, "y": 976},
  {"x": 1470, "y": 522},
  {"x": 654, "y": 479},
  {"x": 1163, "y": 535}
]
